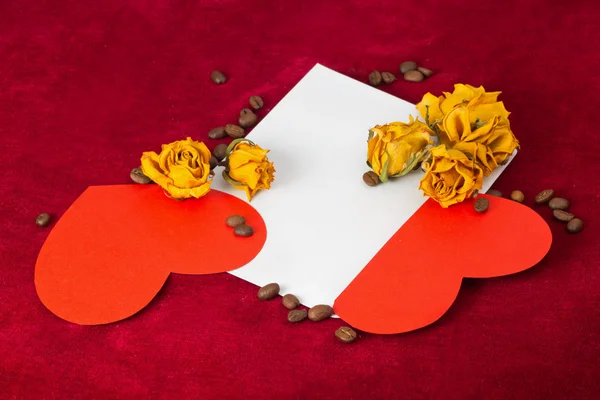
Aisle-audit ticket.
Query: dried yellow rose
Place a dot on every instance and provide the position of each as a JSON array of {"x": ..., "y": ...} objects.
[{"x": 248, "y": 167}]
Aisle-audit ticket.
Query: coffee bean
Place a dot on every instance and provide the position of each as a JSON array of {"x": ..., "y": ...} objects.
[
  {"x": 544, "y": 196},
  {"x": 246, "y": 111},
  {"x": 256, "y": 102},
  {"x": 407, "y": 66},
  {"x": 517, "y": 196},
  {"x": 494, "y": 192},
  {"x": 375, "y": 78},
  {"x": 248, "y": 120},
  {"x": 414, "y": 76},
  {"x": 234, "y": 131},
  {"x": 481, "y": 204},
  {"x": 297, "y": 315},
  {"x": 290, "y": 301},
  {"x": 370, "y": 178},
  {"x": 425, "y": 71},
  {"x": 388, "y": 77},
  {"x": 243, "y": 230},
  {"x": 345, "y": 334},
  {"x": 562, "y": 215},
  {"x": 217, "y": 133},
  {"x": 220, "y": 151},
  {"x": 42, "y": 219},
  {"x": 575, "y": 225},
  {"x": 213, "y": 162},
  {"x": 320, "y": 312},
  {"x": 138, "y": 176},
  {"x": 235, "y": 220},
  {"x": 218, "y": 77},
  {"x": 269, "y": 291},
  {"x": 559, "y": 203}
]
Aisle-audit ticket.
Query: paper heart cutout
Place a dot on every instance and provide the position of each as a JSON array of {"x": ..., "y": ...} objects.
[
  {"x": 414, "y": 279},
  {"x": 111, "y": 252}
]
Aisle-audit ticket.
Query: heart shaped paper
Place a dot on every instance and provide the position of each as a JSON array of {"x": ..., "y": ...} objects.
[
  {"x": 414, "y": 279},
  {"x": 112, "y": 251}
]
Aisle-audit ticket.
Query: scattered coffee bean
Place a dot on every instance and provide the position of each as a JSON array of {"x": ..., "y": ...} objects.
[
  {"x": 42, "y": 219},
  {"x": 414, "y": 76},
  {"x": 371, "y": 178},
  {"x": 320, "y": 312},
  {"x": 425, "y": 71},
  {"x": 494, "y": 192},
  {"x": 345, "y": 334},
  {"x": 243, "y": 230},
  {"x": 217, "y": 133},
  {"x": 388, "y": 77},
  {"x": 575, "y": 225},
  {"x": 246, "y": 111},
  {"x": 375, "y": 78},
  {"x": 481, "y": 204},
  {"x": 297, "y": 315},
  {"x": 256, "y": 102},
  {"x": 290, "y": 301},
  {"x": 213, "y": 162},
  {"x": 248, "y": 120},
  {"x": 218, "y": 77},
  {"x": 234, "y": 131},
  {"x": 563, "y": 216},
  {"x": 235, "y": 220},
  {"x": 220, "y": 151},
  {"x": 138, "y": 176},
  {"x": 517, "y": 196},
  {"x": 269, "y": 291},
  {"x": 559, "y": 203},
  {"x": 544, "y": 196},
  {"x": 407, "y": 66}
]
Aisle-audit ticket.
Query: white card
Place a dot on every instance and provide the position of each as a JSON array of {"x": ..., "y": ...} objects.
[{"x": 324, "y": 224}]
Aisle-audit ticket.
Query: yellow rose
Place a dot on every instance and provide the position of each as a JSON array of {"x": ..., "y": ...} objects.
[
  {"x": 489, "y": 143},
  {"x": 248, "y": 168},
  {"x": 395, "y": 149},
  {"x": 182, "y": 168},
  {"x": 451, "y": 176}
]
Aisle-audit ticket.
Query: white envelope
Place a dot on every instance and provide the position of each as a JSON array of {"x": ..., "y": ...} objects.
[{"x": 324, "y": 224}]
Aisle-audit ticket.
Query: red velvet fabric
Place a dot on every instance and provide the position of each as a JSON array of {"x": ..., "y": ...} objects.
[{"x": 85, "y": 87}]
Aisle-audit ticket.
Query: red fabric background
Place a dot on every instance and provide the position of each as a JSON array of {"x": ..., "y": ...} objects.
[{"x": 85, "y": 87}]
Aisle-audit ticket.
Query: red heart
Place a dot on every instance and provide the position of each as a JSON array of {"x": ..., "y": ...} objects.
[{"x": 414, "y": 279}]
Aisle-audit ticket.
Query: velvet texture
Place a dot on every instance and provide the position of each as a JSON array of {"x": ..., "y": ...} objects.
[{"x": 86, "y": 87}]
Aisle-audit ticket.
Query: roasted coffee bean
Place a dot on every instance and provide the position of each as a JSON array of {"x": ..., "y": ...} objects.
[
  {"x": 42, "y": 219},
  {"x": 481, "y": 204},
  {"x": 297, "y": 315},
  {"x": 256, "y": 102},
  {"x": 220, "y": 151},
  {"x": 371, "y": 178},
  {"x": 243, "y": 230},
  {"x": 425, "y": 71},
  {"x": 388, "y": 77},
  {"x": 562, "y": 215},
  {"x": 246, "y": 111},
  {"x": 218, "y": 77},
  {"x": 345, "y": 334},
  {"x": 494, "y": 192},
  {"x": 269, "y": 291},
  {"x": 559, "y": 203},
  {"x": 290, "y": 301},
  {"x": 213, "y": 162},
  {"x": 138, "y": 176},
  {"x": 320, "y": 312},
  {"x": 575, "y": 225},
  {"x": 375, "y": 78},
  {"x": 248, "y": 120},
  {"x": 414, "y": 76},
  {"x": 517, "y": 196},
  {"x": 234, "y": 131},
  {"x": 235, "y": 220},
  {"x": 408, "y": 66},
  {"x": 217, "y": 133},
  {"x": 544, "y": 196}
]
